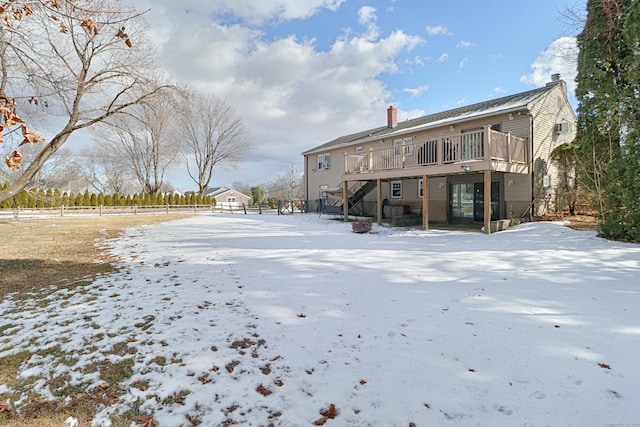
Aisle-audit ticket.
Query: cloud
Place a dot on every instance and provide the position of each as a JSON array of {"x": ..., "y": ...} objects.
[
  {"x": 442, "y": 58},
  {"x": 367, "y": 17},
  {"x": 499, "y": 90},
  {"x": 251, "y": 11},
  {"x": 559, "y": 57},
  {"x": 463, "y": 44},
  {"x": 417, "y": 91},
  {"x": 438, "y": 30},
  {"x": 291, "y": 95}
]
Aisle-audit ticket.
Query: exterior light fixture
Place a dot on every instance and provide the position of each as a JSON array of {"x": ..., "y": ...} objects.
[{"x": 466, "y": 168}]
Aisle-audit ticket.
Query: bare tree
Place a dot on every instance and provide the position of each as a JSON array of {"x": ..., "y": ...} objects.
[
  {"x": 212, "y": 134},
  {"x": 77, "y": 61},
  {"x": 61, "y": 170},
  {"x": 286, "y": 186},
  {"x": 104, "y": 171},
  {"x": 143, "y": 140}
]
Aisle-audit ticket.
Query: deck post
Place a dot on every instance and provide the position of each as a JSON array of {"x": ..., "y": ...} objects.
[
  {"x": 379, "y": 201},
  {"x": 425, "y": 202},
  {"x": 487, "y": 202},
  {"x": 345, "y": 200},
  {"x": 370, "y": 159},
  {"x": 487, "y": 142}
]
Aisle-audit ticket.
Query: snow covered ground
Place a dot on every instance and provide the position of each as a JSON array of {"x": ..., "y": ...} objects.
[{"x": 267, "y": 319}]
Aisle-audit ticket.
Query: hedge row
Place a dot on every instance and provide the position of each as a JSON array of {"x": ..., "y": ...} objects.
[{"x": 39, "y": 198}]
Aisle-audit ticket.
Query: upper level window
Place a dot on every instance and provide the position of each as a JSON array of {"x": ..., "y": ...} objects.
[
  {"x": 324, "y": 161},
  {"x": 408, "y": 148},
  {"x": 396, "y": 146},
  {"x": 231, "y": 199},
  {"x": 359, "y": 149}
]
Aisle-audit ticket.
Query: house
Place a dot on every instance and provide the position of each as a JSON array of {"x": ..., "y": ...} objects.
[
  {"x": 438, "y": 168},
  {"x": 226, "y": 197}
]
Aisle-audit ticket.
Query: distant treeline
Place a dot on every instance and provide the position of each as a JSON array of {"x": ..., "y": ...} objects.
[{"x": 51, "y": 198}]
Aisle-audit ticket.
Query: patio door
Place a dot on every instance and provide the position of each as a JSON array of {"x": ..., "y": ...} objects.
[
  {"x": 478, "y": 201},
  {"x": 461, "y": 202}
]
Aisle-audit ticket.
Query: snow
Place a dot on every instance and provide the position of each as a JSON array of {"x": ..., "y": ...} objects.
[{"x": 270, "y": 319}]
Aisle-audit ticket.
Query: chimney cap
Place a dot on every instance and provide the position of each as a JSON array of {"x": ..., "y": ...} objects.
[{"x": 555, "y": 77}]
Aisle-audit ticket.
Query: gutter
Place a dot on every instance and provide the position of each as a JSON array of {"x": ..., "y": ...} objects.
[{"x": 419, "y": 128}]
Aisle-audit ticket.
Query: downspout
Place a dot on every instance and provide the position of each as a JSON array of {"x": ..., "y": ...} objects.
[
  {"x": 532, "y": 172},
  {"x": 306, "y": 182}
]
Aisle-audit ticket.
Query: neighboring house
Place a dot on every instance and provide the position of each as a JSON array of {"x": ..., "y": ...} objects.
[
  {"x": 227, "y": 197},
  {"x": 437, "y": 168}
]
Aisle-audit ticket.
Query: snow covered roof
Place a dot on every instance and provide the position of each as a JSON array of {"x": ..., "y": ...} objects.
[{"x": 474, "y": 111}]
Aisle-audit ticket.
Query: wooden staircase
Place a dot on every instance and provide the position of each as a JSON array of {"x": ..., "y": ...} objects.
[{"x": 358, "y": 192}]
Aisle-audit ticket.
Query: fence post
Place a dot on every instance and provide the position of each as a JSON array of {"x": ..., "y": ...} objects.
[
  {"x": 244, "y": 208},
  {"x": 166, "y": 209},
  {"x": 100, "y": 210},
  {"x": 135, "y": 209},
  {"x": 62, "y": 209},
  {"x": 259, "y": 208}
]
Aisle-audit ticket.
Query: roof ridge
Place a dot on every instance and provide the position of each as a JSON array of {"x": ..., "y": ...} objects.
[{"x": 430, "y": 118}]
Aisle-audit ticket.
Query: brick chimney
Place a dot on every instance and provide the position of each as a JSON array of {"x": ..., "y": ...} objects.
[{"x": 392, "y": 116}]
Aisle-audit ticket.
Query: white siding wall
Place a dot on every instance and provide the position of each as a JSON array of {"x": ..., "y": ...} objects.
[{"x": 548, "y": 111}]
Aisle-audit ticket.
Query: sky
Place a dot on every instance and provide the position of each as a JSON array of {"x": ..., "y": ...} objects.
[
  {"x": 303, "y": 72},
  {"x": 258, "y": 319}
]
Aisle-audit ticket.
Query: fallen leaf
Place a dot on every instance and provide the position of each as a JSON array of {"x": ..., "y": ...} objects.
[
  {"x": 604, "y": 366},
  {"x": 263, "y": 390},
  {"x": 330, "y": 413}
]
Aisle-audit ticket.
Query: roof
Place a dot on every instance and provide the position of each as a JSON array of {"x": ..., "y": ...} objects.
[
  {"x": 504, "y": 104},
  {"x": 218, "y": 191},
  {"x": 215, "y": 191}
]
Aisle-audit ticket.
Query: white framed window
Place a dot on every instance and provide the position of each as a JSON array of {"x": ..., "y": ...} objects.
[
  {"x": 231, "y": 199},
  {"x": 359, "y": 149},
  {"x": 420, "y": 190},
  {"x": 324, "y": 161},
  {"x": 396, "y": 189},
  {"x": 408, "y": 146},
  {"x": 396, "y": 146}
]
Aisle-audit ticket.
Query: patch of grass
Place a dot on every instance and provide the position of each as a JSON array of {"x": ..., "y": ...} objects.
[
  {"x": 58, "y": 257},
  {"x": 114, "y": 372},
  {"x": 5, "y": 328},
  {"x": 9, "y": 366},
  {"x": 176, "y": 398},
  {"x": 37, "y": 253}
]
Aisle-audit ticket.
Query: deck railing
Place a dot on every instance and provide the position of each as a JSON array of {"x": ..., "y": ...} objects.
[{"x": 484, "y": 144}]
